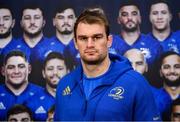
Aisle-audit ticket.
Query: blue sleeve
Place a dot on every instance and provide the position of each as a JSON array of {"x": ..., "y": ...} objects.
[{"x": 145, "y": 107}]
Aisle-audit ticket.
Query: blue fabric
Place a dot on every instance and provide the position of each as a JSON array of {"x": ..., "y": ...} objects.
[
  {"x": 150, "y": 48},
  {"x": 171, "y": 43},
  {"x": 162, "y": 99},
  {"x": 8, "y": 98},
  {"x": 90, "y": 84},
  {"x": 40, "y": 104},
  {"x": 124, "y": 95}
]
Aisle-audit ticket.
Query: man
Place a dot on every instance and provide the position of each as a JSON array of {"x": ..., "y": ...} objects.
[
  {"x": 16, "y": 89},
  {"x": 170, "y": 75},
  {"x": 139, "y": 64},
  {"x": 136, "y": 57},
  {"x": 160, "y": 18},
  {"x": 6, "y": 25},
  {"x": 130, "y": 36},
  {"x": 55, "y": 67},
  {"x": 63, "y": 21},
  {"x": 175, "y": 111},
  {"x": 19, "y": 113},
  {"x": 103, "y": 87}
]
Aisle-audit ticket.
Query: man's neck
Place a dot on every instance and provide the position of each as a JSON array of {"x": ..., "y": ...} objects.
[
  {"x": 50, "y": 90},
  {"x": 32, "y": 41},
  {"x": 92, "y": 71},
  {"x": 5, "y": 41},
  {"x": 172, "y": 91},
  {"x": 161, "y": 35},
  {"x": 19, "y": 90},
  {"x": 130, "y": 37},
  {"x": 65, "y": 39}
]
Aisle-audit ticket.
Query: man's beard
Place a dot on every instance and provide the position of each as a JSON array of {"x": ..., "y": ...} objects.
[
  {"x": 127, "y": 29},
  {"x": 31, "y": 35},
  {"x": 169, "y": 83},
  {"x": 94, "y": 62},
  {"x": 54, "y": 86},
  {"x": 16, "y": 86},
  {"x": 5, "y": 35},
  {"x": 65, "y": 32}
]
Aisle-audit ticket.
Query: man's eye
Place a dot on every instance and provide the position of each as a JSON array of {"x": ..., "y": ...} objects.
[
  {"x": 10, "y": 67},
  {"x": 134, "y": 13},
  {"x": 177, "y": 66},
  {"x": 6, "y": 18},
  {"x": 139, "y": 63},
  {"x": 37, "y": 17},
  {"x": 164, "y": 12},
  {"x": 154, "y": 13},
  {"x": 21, "y": 66},
  {"x": 97, "y": 37},
  {"x": 124, "y": 14},
  {"x": 83, "y": 38},
  {"x": 166, "y": 67},
  {"x": 50, "y": 68},
  {"x": 27, "y": 17}
]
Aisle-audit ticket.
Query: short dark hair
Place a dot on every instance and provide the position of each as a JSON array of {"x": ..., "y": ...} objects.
[
  {"x": 153, "y": 2},
  {"x": 62, "y": 7},
  {"x": 54, "y": 55},
  {"x": 175, "y": 103},
  {"x": 15, "y": 53},
  {"x": 89, "y": 16},
  {"x": 51, "y": 109},
  {"x": 32, "y": 5},
  {"x": 6, "y": 6},
  {"x": 128, "y": 3},
  {"x": 164, "y": 55},
  {"x": 17, "y": 109}
]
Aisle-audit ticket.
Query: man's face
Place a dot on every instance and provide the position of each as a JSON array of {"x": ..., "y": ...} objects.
[
  {"x": 175, "y": 116},
  {"x": 32, "y": 22},
  {"x": 21, "y": 117},
  {"x": 170, "y": 68},
  {"x": 6, "y": 22},
  {"x": 129, "y": 18},
  {"x": 16, "y": 71},
  {"x": 160, "y": 16},
  {"x": 137, "y": 60},
  {"x": 64, "y": 22},
  {"x": 55, "y": 69},
  {"x": 92, "y": 43}
]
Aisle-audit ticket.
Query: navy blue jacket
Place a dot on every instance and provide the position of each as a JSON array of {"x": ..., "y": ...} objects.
[{"x": 123, "y": 95}]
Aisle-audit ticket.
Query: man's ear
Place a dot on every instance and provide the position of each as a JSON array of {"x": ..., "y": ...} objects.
[
  {"x": 118, "y": 20},
  {"x": 13, "y": 23},
  {"x": 44, "y": 23},
  {"x": 29, "y": 68},
  {"x": 43, "y": 73},
  {"x": 3, "y": 70},
  {"x": 110, "y": 39},
  {"x": 75, "y": 43}
]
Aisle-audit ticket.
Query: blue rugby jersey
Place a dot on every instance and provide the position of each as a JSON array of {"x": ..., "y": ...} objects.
[
  {"x": 171, "y": 43},
  {"x": 8, "y": 98},
  {"x": 40, "y": 104},
  {"x": 151, "y": 49}
]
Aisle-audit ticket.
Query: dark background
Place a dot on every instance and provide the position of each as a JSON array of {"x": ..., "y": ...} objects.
[{"x": 111, "y": 8}]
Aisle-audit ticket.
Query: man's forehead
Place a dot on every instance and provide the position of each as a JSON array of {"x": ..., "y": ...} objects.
[
  {"x": 16, "y": 59},
  {"x": 129, "y": 8}
]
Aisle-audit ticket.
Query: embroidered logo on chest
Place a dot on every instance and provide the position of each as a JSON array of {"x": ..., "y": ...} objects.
[{"x": 116, "y": 93}]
